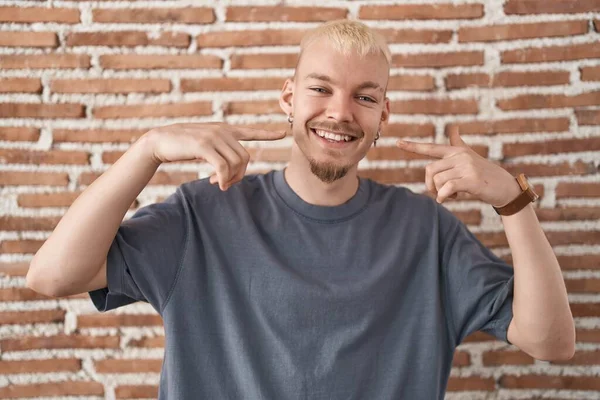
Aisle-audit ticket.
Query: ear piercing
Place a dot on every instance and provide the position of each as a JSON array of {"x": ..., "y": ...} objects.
[{"x": 291, "y": 119}]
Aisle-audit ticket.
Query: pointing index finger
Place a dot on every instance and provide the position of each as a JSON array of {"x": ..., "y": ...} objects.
[
  {"x": 245, "y": 133},
  {"x": 427, "y": 149}
]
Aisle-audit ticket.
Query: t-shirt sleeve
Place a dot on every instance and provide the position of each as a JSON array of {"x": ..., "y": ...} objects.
[
  {"x": 145, "y": 256},
  {"x": 479, "y": 285}
]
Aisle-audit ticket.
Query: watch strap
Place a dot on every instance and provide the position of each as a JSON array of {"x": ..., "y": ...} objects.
[{"x": 526, "y": 197}]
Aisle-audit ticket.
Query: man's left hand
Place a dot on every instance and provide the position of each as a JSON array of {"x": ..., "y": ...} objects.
[{"x": 461, "y": 169}]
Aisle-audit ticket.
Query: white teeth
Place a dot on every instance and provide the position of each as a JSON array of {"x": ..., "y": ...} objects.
[{"x": 333, "y": 136}]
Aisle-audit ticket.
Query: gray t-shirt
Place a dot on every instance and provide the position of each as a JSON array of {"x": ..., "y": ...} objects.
[{"x": 264, "y": 296}]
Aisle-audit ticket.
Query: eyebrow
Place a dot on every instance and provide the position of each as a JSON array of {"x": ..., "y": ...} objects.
[{"x": 326, "y": 78}]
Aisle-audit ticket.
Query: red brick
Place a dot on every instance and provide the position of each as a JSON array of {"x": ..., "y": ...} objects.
[
  {"x": 72, "y": 341},
  {"x": 14, "y": 269},
  {"x": 550, "y": 382},
  {"x": 588, "y": 335},
  {"x": 68, "y": 388},
  {"x": 181, "y": 15},
  {"x": 20, "y": 85},
  {"x": 438, "y": 60},
  {"x": 577, "y": 189},
  {"x": 525, "y": 7},
  {"x": 61, "y": 199},
  {"x": 576, "y": 262},
  {"x": 19, "y": 134},
  {"x": 125, "y": 366},
  {"x": 551, "y": 53},
  {"x": 392, "y": 176},
  {"x": 21, "y": 156},
  {"x": 426, "y": 130},
  {"x": 421, "y": 11},
  {"x": 507, "y": 79},
  {"x": 411, "y": 83},
  {"x": 582, "y": 357},
  {"x": 263, "y": 61},
  {"x": 32, "y": 317},
  {"x": 97, "y": 135},
  {"x": 585, "y": 310},
  {"x": 283, "y": 13},
  {"x": 471, "y": 383},
  {"x": 471, "y": 217},
  {"x": 28, "y": 39},
  {"x": 39, "y": 14},
  {"x": 12, "y": 223},
  {"x": 37, "y": 110},
  {"x": 498, "y": 239},
  {"x": 504, "y": 126},
  {"x": 57, "y": 199},
  {"x": 536, "y": 101},
  {"x": 159, "y": 178},
  {"x": 588, "y": 117},
  {"x": 461, "y": 359},
  {"x": 435, "y": 106},
  {"x": 568, "y": 213},
  {"x": 110, "y": 85},
  {"x": 479, "y": 336},
  {"x": 33, "y": 178},
  {"x": 127, "y": 39},
  {"x": 521, "y": 31},
  {"x": 416, "y": 35},
  {"x": 148, "y": 342},
  {"x": 551, "y": 147},
  {"x": 136, "y": 391},
  {"x": 160, "y": 61},
  {"x": 590, "y": 73},
  {"x": 502, "y": 357},
  {"x": 247, "y": 38},
  {"x": 19, "y": 294},
  {"x": 192, "y": 109},
  {"x": 231, "y": 84},
  {"x": 44, "y": 61},
  {"x": 21, "y": 247},
  {"x": 118, "y": 320},
  {"x": 588, "y": 285},
  {"x": 253, "y": 107},
  {"x": 39, "y": 366},
  {"x": 396, "y": 153}
]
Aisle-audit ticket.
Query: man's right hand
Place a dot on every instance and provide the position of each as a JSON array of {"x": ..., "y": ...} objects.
[{"x": 216, "y": 143}]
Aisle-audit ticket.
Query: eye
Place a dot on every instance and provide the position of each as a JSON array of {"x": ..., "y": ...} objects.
[
  {"x": 319, "y": 90},
  {"x": 367, "y": 99}
]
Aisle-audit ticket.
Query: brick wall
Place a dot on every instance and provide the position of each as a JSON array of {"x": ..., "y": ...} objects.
[{"x": 79, "y": 81}]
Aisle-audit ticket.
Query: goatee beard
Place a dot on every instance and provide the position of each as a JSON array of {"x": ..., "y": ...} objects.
[{"x": 328, "y": 172}]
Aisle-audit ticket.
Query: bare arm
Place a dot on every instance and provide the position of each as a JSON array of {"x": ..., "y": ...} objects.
[
  {"x": 542, "y": 325},
  {"x": 73, "y": 258}
]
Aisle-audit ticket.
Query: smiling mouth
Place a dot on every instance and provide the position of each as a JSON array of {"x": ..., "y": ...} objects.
[{"x": 333, "y": 137}]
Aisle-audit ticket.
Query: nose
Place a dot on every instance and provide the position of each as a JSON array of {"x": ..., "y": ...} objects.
[{"x": 339, "y": 108}]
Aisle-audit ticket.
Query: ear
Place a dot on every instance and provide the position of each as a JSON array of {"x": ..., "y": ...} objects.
[
  {"x": 286, "y": 97},
  {"x": 385, "y": 115}
]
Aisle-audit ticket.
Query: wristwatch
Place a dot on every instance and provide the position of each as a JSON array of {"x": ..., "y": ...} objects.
[{"x": 526, "y": 197}]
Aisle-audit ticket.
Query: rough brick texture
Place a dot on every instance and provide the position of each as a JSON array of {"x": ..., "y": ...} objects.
[{"x": 80, "y": 81}]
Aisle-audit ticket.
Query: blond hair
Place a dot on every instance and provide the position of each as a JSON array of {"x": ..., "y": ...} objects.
[{"x": 346, "y": 36}]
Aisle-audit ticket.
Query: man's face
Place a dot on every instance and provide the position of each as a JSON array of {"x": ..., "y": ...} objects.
[{"x": 338, "y": 103}]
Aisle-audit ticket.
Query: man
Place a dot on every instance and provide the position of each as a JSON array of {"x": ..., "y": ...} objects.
[{"x": 310, "y": 283}]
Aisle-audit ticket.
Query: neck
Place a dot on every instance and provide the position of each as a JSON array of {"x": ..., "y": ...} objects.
[{"x": 314, "y": 191}]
